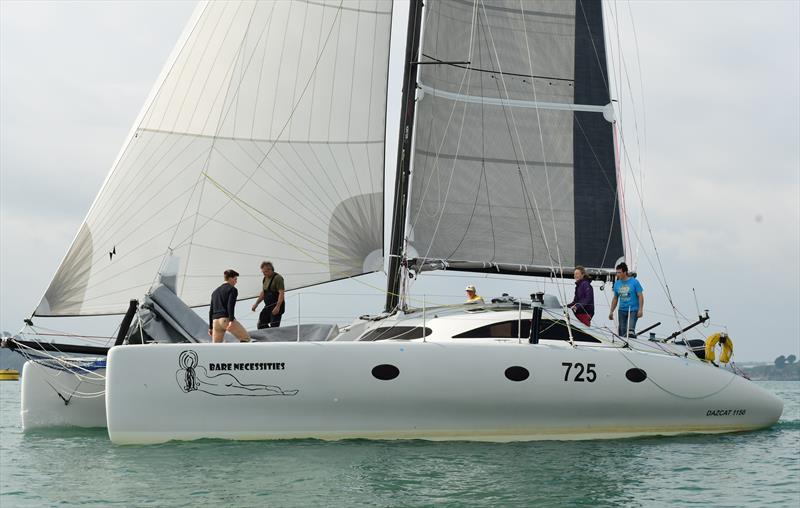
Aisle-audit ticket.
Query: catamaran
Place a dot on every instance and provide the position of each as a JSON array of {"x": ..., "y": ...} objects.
[{"x": 265, "y": 136}]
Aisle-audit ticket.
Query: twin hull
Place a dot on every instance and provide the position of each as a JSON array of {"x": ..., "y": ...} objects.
[
  {"x": 57, "y": 398},
  {"x": 470, "y": 391}
]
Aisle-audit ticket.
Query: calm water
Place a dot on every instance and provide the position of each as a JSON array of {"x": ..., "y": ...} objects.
[{"x": 84, "y": 468}]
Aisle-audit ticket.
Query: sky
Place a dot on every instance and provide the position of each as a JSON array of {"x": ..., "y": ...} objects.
[{"x": 710, "y": 115}]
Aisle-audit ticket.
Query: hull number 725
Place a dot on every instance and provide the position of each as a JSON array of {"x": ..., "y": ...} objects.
[{"x": 580, "y": 370}]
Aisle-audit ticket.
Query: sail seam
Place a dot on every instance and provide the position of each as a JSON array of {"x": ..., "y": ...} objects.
[
  {"x": 513, "y": 11},
  {"x": 343, "y": 8},
  {"x": 516, "y": 162},
  {"x": 264, "y": 140}
]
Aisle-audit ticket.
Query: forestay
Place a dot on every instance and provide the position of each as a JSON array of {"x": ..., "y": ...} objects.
[
  {"x": 263, "y": 139},
  {"x": 514, "y": 155}
]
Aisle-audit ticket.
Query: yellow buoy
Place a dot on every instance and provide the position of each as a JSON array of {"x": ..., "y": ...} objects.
[{"x": 725, "y": 342}]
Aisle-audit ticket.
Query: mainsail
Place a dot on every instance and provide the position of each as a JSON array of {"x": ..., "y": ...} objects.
[
  {"x": 263, "y": 139},
  {"x": 514, "y": 160}
]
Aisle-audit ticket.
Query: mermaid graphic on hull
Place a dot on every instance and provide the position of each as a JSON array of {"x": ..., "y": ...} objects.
[{"x": 193, "y": 378}]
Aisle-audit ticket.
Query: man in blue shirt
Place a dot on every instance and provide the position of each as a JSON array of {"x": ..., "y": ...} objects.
[{"x": 628, "y": 294}]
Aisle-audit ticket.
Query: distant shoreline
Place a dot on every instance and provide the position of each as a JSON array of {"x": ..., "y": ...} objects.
[{"x": 789, "y": 372}]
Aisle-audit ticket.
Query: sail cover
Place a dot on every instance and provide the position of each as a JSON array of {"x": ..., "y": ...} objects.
[
  {"x": 514, "y": 157},
  {"x": 262, "y": 140}
]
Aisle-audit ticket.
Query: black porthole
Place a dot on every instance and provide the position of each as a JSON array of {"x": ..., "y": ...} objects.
[
  {"x": 517, "y": 373},
  {"x": 636, "y": 375},
  {"x": 385, "y": 372}
]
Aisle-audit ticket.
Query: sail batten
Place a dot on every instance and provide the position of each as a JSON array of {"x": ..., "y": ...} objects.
[
  {"x": 515, "y": 103},
  {"x": 265, "y": 139}
]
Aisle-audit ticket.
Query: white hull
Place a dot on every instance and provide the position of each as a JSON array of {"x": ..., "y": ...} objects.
[
  {"x": 44, "y": 391},
  {"x": 453, "y": 390}
]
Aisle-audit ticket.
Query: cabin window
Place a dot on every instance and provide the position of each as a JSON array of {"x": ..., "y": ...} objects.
[
  {"x": 552, "y": 329},
  {"x": 396, "y": 333},
  {"x": 504, "y": 330},
  {"x": 549, "y": 329}
]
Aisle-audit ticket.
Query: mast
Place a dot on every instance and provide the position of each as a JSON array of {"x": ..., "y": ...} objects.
[{"x": 404, "y": 154}]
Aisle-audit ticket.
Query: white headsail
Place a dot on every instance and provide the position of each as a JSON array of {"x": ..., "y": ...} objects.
[{"x": 264, "y": 139}]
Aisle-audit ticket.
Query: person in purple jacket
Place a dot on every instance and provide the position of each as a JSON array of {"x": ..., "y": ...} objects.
[{"x": 583, "y": 303}]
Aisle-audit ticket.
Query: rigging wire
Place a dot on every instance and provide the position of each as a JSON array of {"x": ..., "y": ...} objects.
[
  {"x": 518, "y": 140},
  {"x": 659, "y": 270},
  {"x": 482, "y": 180},
  {"x": 541, "y": 141},
  {"x": 547, "y": 175}
]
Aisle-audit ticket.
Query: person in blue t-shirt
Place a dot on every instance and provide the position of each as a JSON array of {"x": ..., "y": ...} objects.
[{"x": 628, "y": 294}]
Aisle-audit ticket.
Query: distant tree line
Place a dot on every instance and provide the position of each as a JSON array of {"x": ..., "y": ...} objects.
[{"x": 784, "y": 368}]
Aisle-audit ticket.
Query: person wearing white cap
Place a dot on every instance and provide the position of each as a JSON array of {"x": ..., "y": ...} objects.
[{"x": 472, "y": 297}]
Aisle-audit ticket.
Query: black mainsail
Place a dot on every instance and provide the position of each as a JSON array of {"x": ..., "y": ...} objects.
[{"x": 514, "y": 164}]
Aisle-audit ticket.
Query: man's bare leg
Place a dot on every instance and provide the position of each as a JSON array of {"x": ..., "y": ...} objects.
[
  {"x": 218, "y": 334},
  {"x": 238, "y": 331}
]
